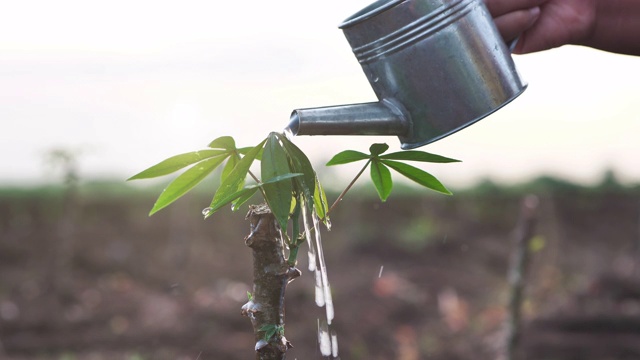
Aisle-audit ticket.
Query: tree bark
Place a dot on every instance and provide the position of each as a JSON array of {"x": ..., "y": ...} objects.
[{"x": 271, "y": 274}]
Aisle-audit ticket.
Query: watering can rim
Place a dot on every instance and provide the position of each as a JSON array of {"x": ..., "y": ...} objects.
[{"x": 369, "y": 12}]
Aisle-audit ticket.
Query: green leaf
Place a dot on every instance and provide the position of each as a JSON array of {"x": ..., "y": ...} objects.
[
  {"x": 234, "y": 159},
  {"x": 234, "y": 181},
  {"x": 245, "y": 150},
  {"x": 278, "y": 195},
  {"x": 419, "y": 176},
  {"x": 269, "y": 331},
  {"x": 413, "y": 155},
  {"x": 241, "y": 196},
  {"x": 223, "y": 201},
  {"x": 320, "y": 202},
  {"x": 185, "y": 182},
  {"x": 176, "y": 163},
  {"x": 377, "y": 149},
  {"x": 223, "y": 142},
  {"x": 281, "y": 178},
  {"x": 346, "y": 157},
  {"x": 381, "y": 177},
  {"x": 299, "y": 163},
  {"x": 242, "y": 199}
]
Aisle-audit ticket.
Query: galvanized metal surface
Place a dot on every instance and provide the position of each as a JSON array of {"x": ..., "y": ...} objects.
[{"x": 436, "y": 66}]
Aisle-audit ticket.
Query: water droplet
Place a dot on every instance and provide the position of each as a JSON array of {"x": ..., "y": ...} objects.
[
  {"x": 260, "y": 344},
  {"x": 376, "y": 79},
  {"x": 334, "y": 344},
  {"x": 323, "y": 338},
  {"x": 206, "y": 212}
]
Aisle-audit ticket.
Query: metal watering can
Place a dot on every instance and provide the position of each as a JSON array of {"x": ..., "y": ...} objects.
[{"x": 436, "y": 66}]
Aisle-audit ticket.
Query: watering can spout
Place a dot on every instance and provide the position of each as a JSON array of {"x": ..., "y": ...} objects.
[
  {"x": 436, "y": 67},
  {"x": 375, "y": 118}
]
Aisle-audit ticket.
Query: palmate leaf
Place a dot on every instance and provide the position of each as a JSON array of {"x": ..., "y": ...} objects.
[
  {"x": 242, "y": 199},
  {"x": 413, "y": 155},
  {"x": 243, "y": 195},
  {"x": 381, "y": 177},
  {"x": 234, "y": 159},
  {"x": 235, "y": 180},
  {"x": 185, "y": 182},
  {"x": 299, "y": 163},
  {"x": 249, "y": 191},
  {"x": 377, "y": 149},
  {"x": 176, "y": 163},
  {"x": 245, "y": 150},
  {"x": 419, "y": 176},
  {"x": 347, "y": 156},
  {"x": 278, "y": 195}
]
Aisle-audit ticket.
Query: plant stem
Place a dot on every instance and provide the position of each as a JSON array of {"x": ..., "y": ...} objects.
[
  {"x": 517, "y": 272},
  {"x": 344, "y": 192},
  {"x": 271, "y": 273}
]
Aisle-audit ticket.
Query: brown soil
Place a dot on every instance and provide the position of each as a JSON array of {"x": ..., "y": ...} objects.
[{"x": 417, "y": 277}]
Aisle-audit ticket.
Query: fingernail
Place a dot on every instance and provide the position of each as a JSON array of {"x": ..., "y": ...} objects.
[{"x": 534, "y": 13}]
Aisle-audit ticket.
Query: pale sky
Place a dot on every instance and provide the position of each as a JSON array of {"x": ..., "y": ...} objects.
[{"x": 130, "y": 83}]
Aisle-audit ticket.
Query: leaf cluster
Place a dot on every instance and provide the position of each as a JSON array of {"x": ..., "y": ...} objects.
[
  {"x": 380, "y": 166},
  {"x": 288, "y": 179}
]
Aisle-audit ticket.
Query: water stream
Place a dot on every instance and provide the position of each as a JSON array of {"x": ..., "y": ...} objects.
[{"x": 327, "y": 338}]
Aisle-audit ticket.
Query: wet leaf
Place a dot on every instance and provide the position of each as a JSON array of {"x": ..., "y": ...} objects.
[
  {"x": 228, "y": 199},
  {"x": 176, "y": 163},
  {"x": 245, "y": 150},
  {"x": 347, "y": 156},
  {"x": 413, "y": 155},
  {"x": 381, "y": 177},
  {"x": 243, "y": 198},
  {"x": 300, "y": 164},
  {"x": 234, "y": 158},
  {"x": 185, "y": 182},
  {"x": 235, "y": 180},
  {"x": 320, "y": 202},
  {"x": 419, "y": 176},
  {"x": 278, "y": 195}
]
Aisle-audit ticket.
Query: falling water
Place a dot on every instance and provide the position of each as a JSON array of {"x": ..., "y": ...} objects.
[
  {"x": 328, "y": 302},
  {"x": 328, "y": 341},
  {"x": 324, "y": 340},
  {"x": 319, "y": 289},
  {"x": 288, "y": 133}
]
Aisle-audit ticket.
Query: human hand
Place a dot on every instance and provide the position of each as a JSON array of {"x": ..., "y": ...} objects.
[{"x": 543, "y": 24}]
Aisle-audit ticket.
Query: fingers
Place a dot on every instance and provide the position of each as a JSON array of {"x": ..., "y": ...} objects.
[
  {"x": 498, "y": 8},
  {"x": 512, "y": 24}
]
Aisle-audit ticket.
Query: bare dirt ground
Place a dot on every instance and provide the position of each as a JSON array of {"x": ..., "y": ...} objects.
[{"x": 417, "y": 277}]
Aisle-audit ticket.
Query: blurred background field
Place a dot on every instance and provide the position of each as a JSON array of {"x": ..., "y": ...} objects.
[
  {"x": 86, "y": 274},
  {"x": 117, "y": 86}
]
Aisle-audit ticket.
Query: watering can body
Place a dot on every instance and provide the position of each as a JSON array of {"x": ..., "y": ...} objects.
[{"x": 436, "y": 67}]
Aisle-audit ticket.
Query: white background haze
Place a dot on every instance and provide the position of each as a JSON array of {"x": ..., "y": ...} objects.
[{"x": 130, "y": 83}]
